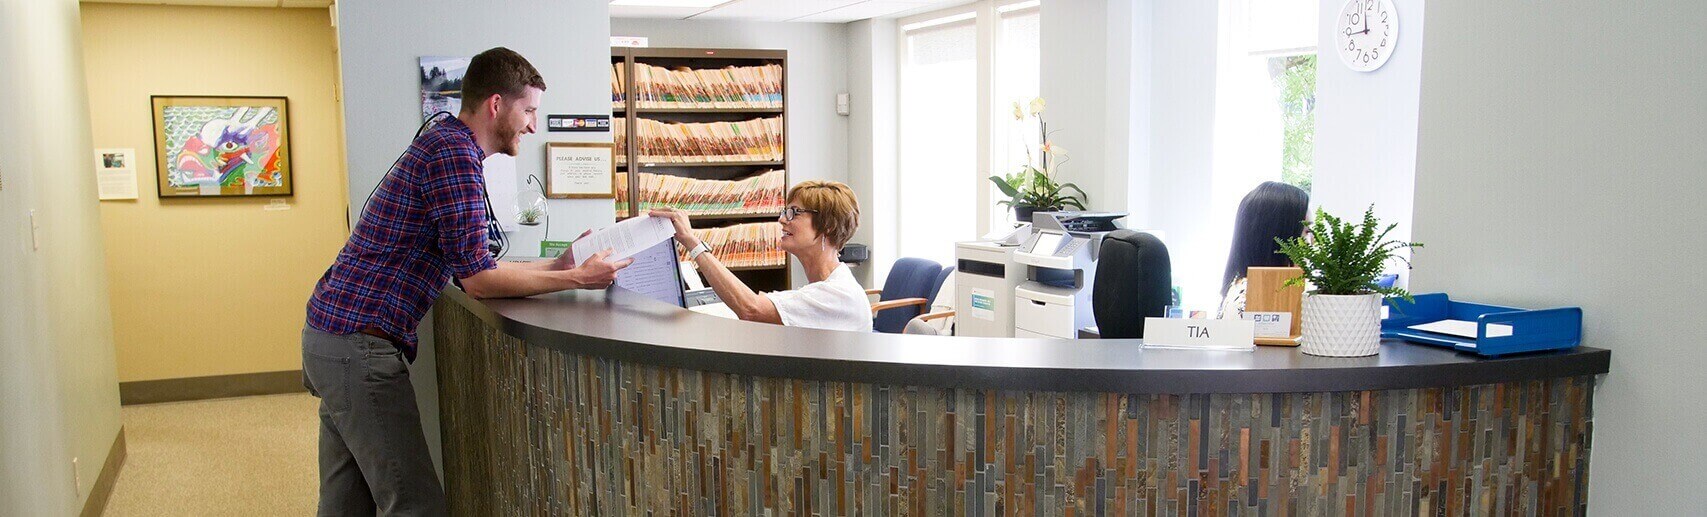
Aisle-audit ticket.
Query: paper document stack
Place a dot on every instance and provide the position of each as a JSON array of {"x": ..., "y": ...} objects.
[
  {"x": 756, "y": 140},
  {"x": 624, "y": 238},
  {"x": 745, "y": 245},
  {"x": 758, "y": 194},
  {"x": 619, "y": 128},
  {"x": 730, "y": 87}
]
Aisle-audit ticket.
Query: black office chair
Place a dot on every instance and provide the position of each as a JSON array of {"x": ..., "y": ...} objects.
[{"x": 1134, "y": 280}]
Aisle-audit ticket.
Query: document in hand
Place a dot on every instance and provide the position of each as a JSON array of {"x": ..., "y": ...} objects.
[{"x": 626, "y": 238}]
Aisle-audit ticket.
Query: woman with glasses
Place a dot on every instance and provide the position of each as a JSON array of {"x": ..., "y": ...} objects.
[{"x": 819, "y": 218}]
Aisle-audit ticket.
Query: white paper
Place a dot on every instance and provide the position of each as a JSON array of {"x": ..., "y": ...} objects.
[
  {"x": 718, "y": 309},
  {"x": 115, "y": 173},
  {"x": 628, "y": 237},
  {"x": 690, "y": 274},
  {"x": 1271, "y": 324},
  {"x": 500, "y": 170},
  {"x": 1462, "y": 328}
]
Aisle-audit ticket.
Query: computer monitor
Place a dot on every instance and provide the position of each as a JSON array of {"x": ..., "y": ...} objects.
[{"x": 655, "y": 273}]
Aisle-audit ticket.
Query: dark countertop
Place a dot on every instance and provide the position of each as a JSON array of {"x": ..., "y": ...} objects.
[{"x": 626, "y": 326}]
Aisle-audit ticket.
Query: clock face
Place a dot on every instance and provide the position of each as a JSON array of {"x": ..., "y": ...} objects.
[{"x": 1366, "y": 33}]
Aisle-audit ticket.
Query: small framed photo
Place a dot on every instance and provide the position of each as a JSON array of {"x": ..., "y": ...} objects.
[
  {"x": 580, "y": 170},
  {"x": 222, "y": 146}
]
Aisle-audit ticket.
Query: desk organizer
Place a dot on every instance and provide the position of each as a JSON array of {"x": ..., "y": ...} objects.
[{"x": 1531, "y": 330}]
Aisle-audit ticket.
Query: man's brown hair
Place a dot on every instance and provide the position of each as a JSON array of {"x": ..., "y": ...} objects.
[
  {"x": 497, "y": 71},
  {"x": 837, "y": 209}
]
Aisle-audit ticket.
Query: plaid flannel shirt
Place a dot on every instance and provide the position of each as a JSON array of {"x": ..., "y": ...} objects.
[{"x": 426, "y": 223}]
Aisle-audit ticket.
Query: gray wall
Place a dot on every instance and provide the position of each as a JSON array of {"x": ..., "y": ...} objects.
[
  {"x": 1560, "y": 163},
  {"x": 59, "y": 400},
  {"x": 381, "y": 40},
  {"x": 1078, "y": 60},
  {"x": 1366, "y": 124},
  {"x": 872, "y": 137},
  {"x": 379, "y": 43},
  {"x": 817, "y": 71}
]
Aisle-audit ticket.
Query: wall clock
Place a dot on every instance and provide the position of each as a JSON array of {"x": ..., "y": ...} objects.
[{"x": 1366, "y": 32}]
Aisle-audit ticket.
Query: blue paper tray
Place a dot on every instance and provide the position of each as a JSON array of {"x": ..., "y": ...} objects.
[{"x": 1531, "y": 330}]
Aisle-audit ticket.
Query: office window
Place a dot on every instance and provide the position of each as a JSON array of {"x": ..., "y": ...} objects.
[
  {"x": 938, "y": 149},
  {"x": 961, "y": 70},
  {"x": 1018, "y": 68},
  {"x": 1263, "y": 131},
  {"x": 1295, "y": 85}
]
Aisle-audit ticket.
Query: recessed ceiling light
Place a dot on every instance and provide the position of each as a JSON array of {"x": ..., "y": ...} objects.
[{"x": 669, "y": 3}]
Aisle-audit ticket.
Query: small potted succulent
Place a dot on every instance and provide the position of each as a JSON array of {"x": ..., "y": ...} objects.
[
  {"x": 1341, "y": 262},
  {"x": 530, "y": 216},
  {"x": 1033, "y": 187}
]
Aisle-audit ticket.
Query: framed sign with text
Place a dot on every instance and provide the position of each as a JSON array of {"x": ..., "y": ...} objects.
[{"x": 576, "y": 170}]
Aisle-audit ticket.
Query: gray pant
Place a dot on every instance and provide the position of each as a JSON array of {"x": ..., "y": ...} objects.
[{"x": 373, "y": 455}]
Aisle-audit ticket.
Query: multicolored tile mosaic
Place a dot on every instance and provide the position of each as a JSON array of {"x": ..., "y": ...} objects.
[{"x": 531, "y": 430}]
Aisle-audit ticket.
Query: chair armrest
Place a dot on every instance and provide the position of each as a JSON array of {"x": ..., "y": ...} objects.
[
  {"x": 869, "y": 292},
  {"x": 900, "y": 302},
  {"x": 936, "y": 316}
]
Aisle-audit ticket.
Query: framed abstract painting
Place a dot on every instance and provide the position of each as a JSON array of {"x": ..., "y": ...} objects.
[{"x": 222, "y": 146}]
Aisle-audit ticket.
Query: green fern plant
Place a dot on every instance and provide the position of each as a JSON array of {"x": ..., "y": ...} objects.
[{"x": 1341, "y": 258}]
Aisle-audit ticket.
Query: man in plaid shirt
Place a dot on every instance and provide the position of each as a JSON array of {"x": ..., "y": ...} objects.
[{"x": 426, "y": 223}]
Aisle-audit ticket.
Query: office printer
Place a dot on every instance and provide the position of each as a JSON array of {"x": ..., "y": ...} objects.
[{"x": 1060, "y": 258}]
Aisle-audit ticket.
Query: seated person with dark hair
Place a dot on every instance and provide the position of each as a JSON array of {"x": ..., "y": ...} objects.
[{"x": 1272, "y": 210}]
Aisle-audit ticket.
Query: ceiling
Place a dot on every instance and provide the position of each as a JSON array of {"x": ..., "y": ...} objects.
[
  {"x": 316, "y": 4},
  {"x": 819, "y": 11}
]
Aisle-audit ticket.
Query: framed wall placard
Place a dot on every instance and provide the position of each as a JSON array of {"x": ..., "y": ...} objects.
[
  {"x": 222, "y": 146},
  {"x": 576, "y": 170}
]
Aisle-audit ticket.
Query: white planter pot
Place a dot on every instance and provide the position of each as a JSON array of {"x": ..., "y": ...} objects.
[{"x": 1341, "y": 325}]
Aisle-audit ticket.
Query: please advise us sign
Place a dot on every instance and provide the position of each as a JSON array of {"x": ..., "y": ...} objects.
[{"x": 580, "y": 170}]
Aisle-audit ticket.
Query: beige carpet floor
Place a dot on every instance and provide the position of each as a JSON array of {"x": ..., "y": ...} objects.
[{"x": 241, "y": 456}]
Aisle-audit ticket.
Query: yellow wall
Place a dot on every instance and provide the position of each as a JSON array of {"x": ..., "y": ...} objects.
[{"x": 214, "y": 286}]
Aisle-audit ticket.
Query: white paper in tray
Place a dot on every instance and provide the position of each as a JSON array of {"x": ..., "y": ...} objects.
[{"x": 1461, "y": 328}]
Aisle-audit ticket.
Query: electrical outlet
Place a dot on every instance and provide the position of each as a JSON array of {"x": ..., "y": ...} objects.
[{"x": 76, "y": 477}]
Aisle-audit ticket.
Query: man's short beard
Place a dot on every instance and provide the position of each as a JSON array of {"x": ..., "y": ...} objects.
[{"x": 507, "y": 140}]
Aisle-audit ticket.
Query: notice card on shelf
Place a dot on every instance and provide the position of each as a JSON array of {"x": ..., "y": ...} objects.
[
  {"x": 1462, "y": 328},
  {"x": 626, "y": 238}
]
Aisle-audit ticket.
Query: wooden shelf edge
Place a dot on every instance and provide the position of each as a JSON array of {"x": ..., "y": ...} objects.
[
  {"x": 711, "y": 164},
  {"x": 690, "y": 111}
]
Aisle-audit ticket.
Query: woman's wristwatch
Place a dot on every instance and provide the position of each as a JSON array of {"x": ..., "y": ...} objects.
[{"x": 697, "y": 250}]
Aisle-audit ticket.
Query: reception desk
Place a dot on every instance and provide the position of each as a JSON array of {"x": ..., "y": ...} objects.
[{"x": 609, "y": 403}]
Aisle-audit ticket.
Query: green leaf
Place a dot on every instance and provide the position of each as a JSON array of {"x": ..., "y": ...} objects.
[{"x": 1002, "y": 185}]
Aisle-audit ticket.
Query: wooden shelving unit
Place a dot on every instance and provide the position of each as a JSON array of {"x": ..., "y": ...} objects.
[{"x": 767, "y": 278}]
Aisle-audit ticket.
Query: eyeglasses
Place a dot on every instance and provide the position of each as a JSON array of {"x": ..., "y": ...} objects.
[{"x": 788, "y": 214}]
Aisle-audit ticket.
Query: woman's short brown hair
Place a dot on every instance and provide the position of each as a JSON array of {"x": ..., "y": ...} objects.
[{"x": 835, "y": 209}]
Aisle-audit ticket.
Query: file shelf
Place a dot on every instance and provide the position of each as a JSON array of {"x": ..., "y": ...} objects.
[{"x": 628, "y": 99}]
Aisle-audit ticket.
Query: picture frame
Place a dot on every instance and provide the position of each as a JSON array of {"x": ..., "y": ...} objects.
[
  {"x": 210, "y": 146},
  {"x": 580, "y": 170}
]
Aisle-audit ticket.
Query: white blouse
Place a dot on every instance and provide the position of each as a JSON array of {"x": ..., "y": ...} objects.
[
  {"x": 834, "y": 303},
  {"x": 1233, "y": 305}
]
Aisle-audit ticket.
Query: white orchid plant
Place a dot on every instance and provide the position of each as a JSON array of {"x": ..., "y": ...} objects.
[{"x": 1034, "y": 185}]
